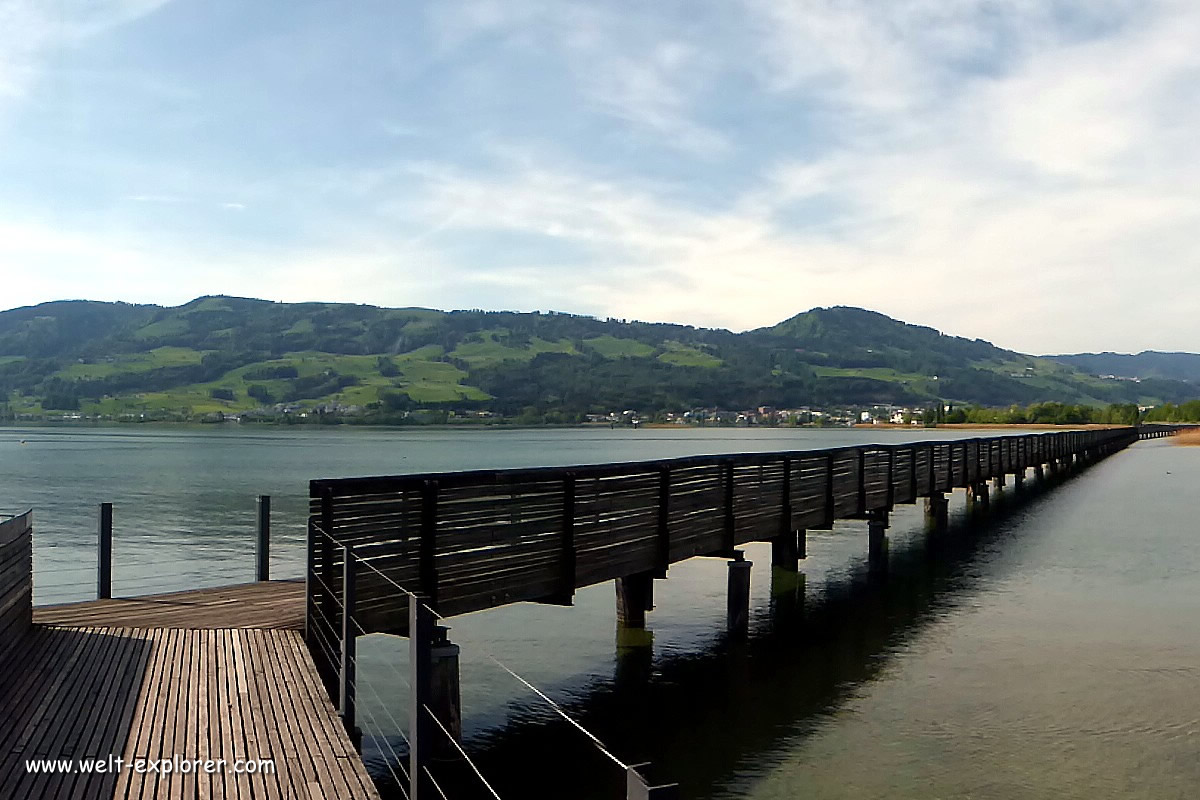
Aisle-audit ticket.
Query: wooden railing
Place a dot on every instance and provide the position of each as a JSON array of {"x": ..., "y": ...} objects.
[
  {"x": 1159, "y": 431},
  {"x": 472, "y": 540},
  {"x": 16, "y": 579}
]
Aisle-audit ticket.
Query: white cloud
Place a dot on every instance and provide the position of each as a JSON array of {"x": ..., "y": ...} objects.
[
  {"x": 624, "y": 65},
  {"x": 1009, "y": 169},
  {"x": 1025, "y": 206},
  {"x": 30, "y": 30}
]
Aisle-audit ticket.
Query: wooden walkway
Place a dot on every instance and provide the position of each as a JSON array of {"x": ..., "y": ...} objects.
[
  {"x": 468, "y": 541},
  {"x": 220, "y": 679},
  {"x": 269, "y": 604}
]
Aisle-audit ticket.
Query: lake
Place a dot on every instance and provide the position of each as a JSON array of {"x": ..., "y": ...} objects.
[{"x": 1052, "y": 649}]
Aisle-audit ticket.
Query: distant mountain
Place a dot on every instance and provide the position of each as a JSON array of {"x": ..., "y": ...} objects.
[
  {"x": 1146, "y": 364},
  {"x": 234, "y": 354}
]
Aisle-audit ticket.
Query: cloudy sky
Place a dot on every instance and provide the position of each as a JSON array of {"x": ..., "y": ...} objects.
[{"x": 1025, "y": 171}]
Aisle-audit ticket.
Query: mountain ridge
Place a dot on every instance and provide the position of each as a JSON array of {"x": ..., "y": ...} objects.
[
  {"x": 1173, "y": 365},
  {"x": 219, "y": 353}
]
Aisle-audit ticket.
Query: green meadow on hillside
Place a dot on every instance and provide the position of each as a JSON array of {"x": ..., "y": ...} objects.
[{"x": 232, "y": 355}]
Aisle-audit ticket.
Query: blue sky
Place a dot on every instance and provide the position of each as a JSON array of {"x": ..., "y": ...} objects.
[{"x": 1015, "y": 170}]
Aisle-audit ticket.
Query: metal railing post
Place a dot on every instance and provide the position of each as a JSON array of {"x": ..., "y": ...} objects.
[
  {"x": 420, "y": 729},
  {"x": 346, "y": 671}
]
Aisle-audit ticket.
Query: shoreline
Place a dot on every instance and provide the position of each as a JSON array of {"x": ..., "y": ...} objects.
[{"x": 165, "y": 424}]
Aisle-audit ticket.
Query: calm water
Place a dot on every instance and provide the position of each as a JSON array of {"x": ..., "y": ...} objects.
[{"x": 1052, "y": 650}]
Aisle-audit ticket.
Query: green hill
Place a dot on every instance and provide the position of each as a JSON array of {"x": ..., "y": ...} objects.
[{"x": 227, "y": 354}]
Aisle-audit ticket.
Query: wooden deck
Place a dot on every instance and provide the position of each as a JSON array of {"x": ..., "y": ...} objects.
[
  {"x": 220, "y": 675},
  {"x": 269, "y": 604}
]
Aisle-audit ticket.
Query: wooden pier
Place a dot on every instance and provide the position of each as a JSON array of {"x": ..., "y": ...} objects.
[
  {"x": 214, "y": 690},
  {"x": 468, "y": 541},
  {"x": 393, "y": 553}
]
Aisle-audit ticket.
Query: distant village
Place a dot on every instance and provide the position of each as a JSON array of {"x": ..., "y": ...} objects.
[
  {"x": 768, "y": 416},
  {"x": 333, "y": 413}
]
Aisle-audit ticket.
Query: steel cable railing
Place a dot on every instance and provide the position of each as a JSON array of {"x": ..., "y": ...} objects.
[{"x": 328, "y": 610}]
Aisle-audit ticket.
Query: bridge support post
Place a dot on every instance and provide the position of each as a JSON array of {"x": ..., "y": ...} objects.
[
  {"x": 444, "y": 693},
  {"x": 738, "y": 596},
  {"x": 635, "y": 596},
  {"x": 998, "y": 482},
  {"x": 802, "y": 543},
  {"x": 785, "y": 552},
  {"x": 937, "y": 511},
  {"x": 877, "y": 525},
  {"x": 1019, "y": 478},
  {"x": 979, "y": 495},
  {"x": 1039, "y": 472}
]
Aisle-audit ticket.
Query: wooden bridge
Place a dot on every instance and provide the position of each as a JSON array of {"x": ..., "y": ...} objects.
[
  {"x": 166, "y": 695},
  {"x": 468, "y": 541},
  {"x": 385, "y": 551}
]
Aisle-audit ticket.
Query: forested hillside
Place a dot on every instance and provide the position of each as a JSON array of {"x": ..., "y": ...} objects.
[{"x": 233, "y": 354}]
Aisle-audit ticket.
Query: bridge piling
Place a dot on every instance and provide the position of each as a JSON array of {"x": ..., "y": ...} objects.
[
  {"x": 738, "y": 596},
  {"x": 877, "y": 525},
  {"x": 785, "y": 552},
  {"x": 979, "y": 495},
  {"x": 445, "y": 694},
  {"x": 937, "y": 511},
  {"x": 635, "y": 596}
]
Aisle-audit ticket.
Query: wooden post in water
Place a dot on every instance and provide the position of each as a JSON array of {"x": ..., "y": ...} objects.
[
  {"x": 877, "y": 525},
  {"x": 104, "y": 552},
  {"x": 738, "y": 597},
  {"x": 802, "y": 543},
  {"x": 1039, "y": 472},
  {"x": 635, "y": 596},
  {"x": 979, "y": 495},
  {"x": 937, "y": 511},
  {"x": 262, "y": 538},
  {"x": 445, "y": 693},
  {"x": 785, "y": 552}
]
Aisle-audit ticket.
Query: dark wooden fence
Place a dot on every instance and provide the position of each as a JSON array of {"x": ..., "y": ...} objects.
[
  {"x": 16, "y": 579},
  {"x": 472, "y": 540}
]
